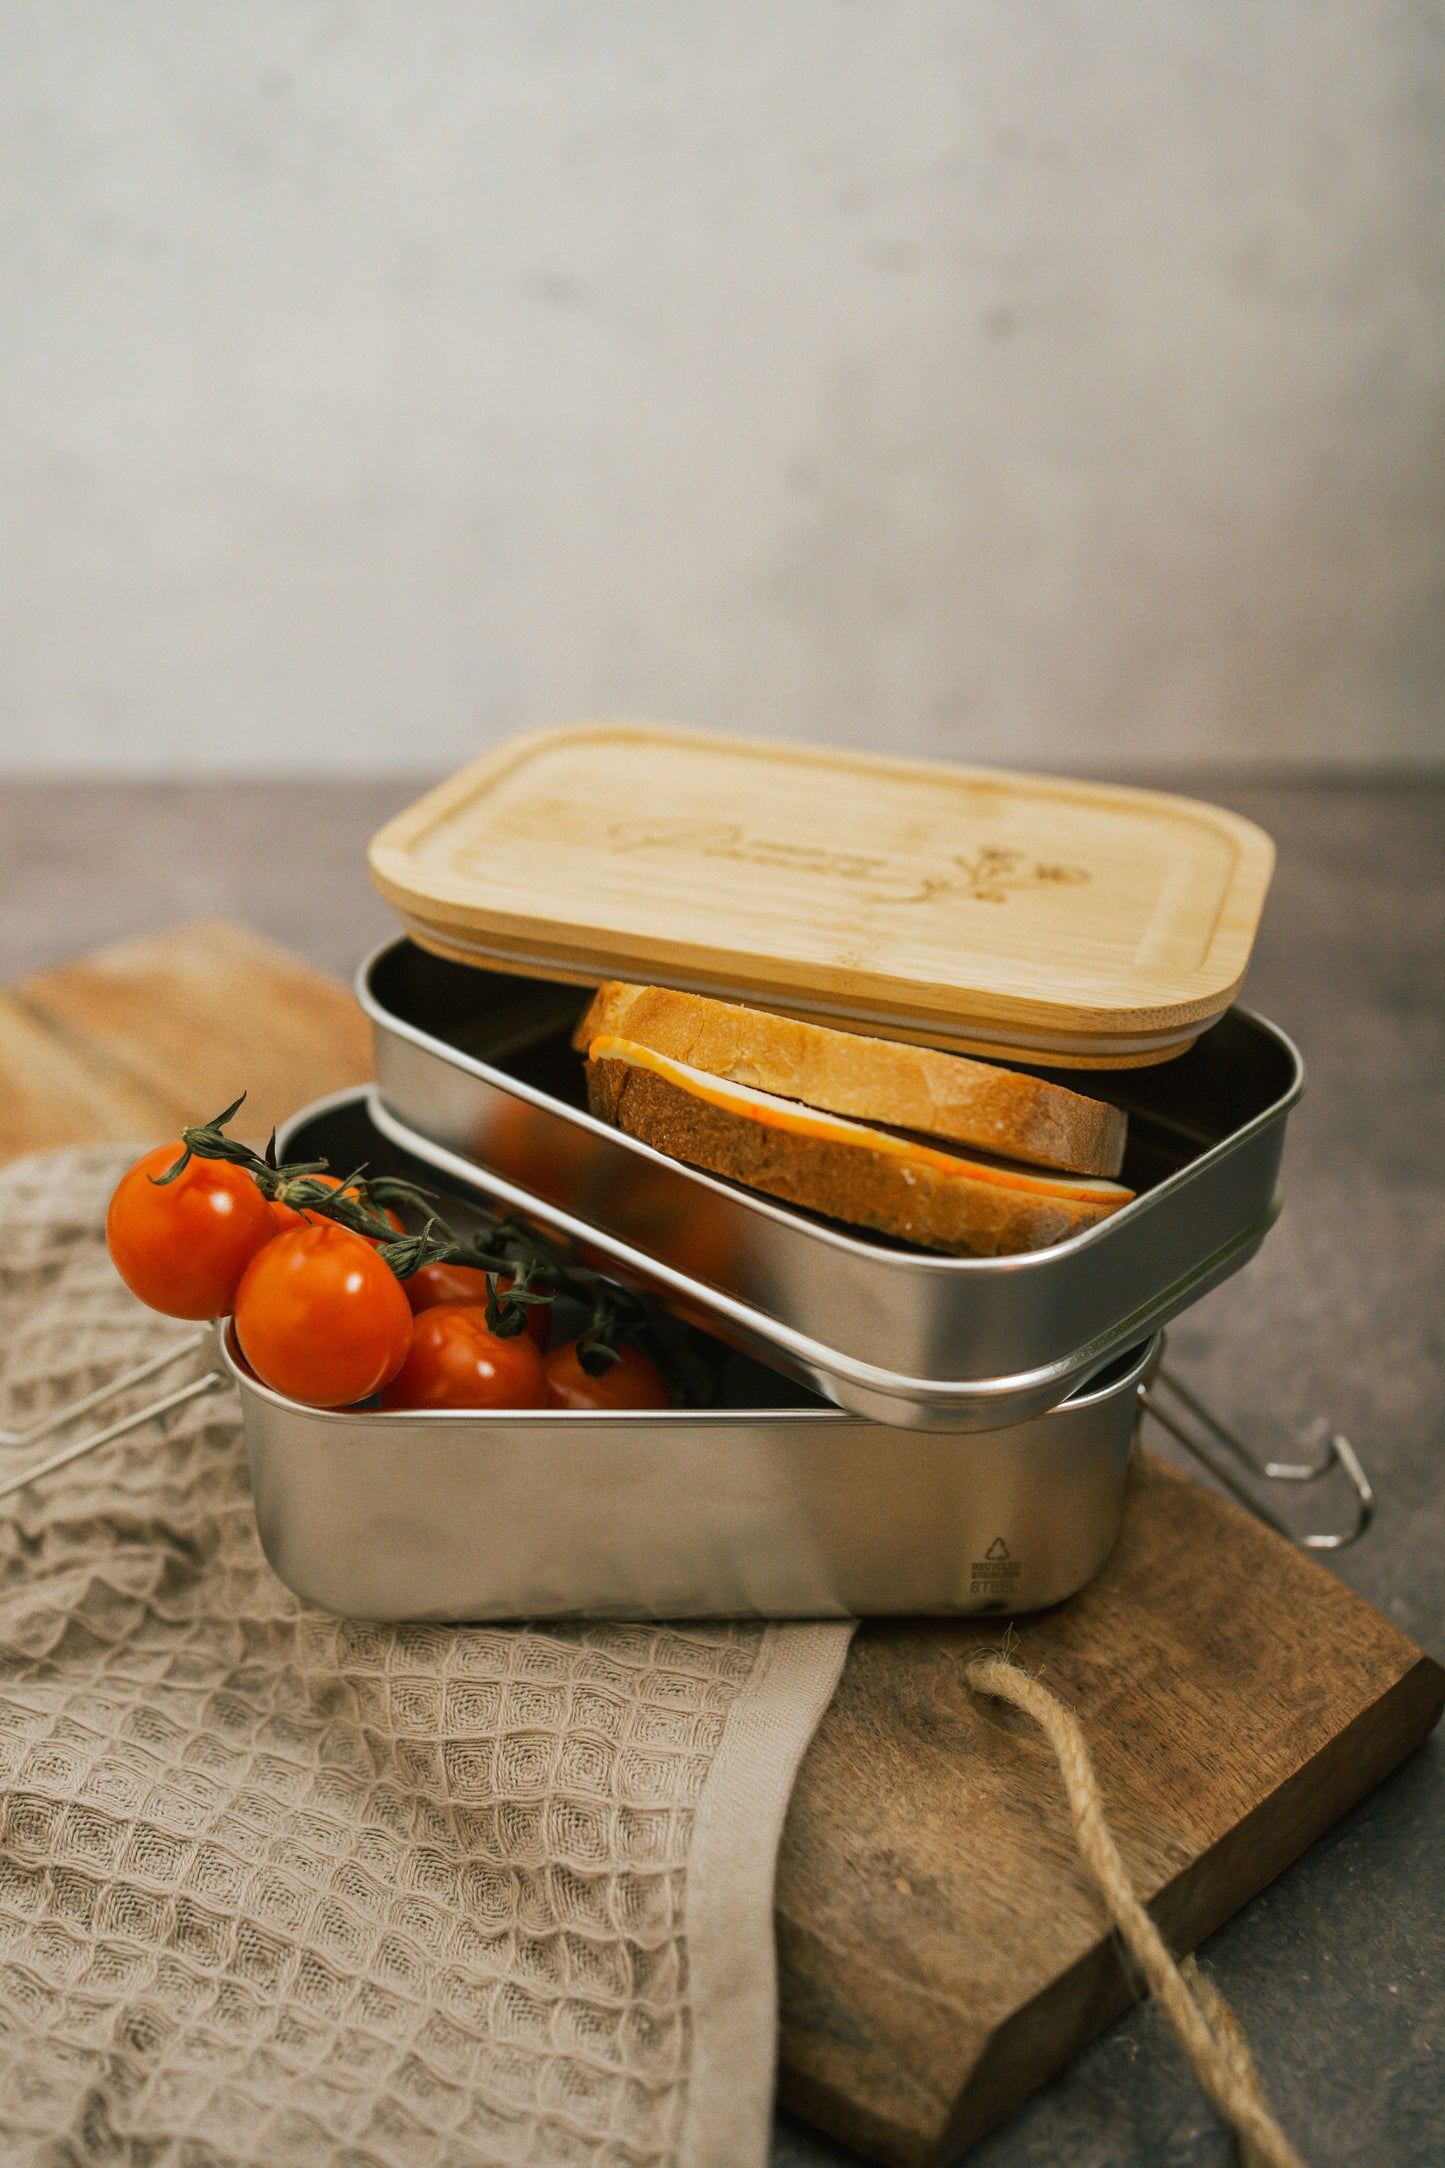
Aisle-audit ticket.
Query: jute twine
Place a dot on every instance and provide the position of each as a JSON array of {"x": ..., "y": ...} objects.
[{"x": 1206, "y": 2026}]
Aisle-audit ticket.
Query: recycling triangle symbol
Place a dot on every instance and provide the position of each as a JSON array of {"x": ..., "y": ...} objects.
[{"x": 997, "y": 1549}]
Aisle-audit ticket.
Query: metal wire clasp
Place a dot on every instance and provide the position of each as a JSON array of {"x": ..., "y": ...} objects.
[
  {"x": 206, "y": 1383},
  {"x": 1338, "y": 1453}
]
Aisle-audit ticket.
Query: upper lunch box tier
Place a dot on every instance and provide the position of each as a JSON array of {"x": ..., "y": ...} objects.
[{"x": 1023, "y": 917}]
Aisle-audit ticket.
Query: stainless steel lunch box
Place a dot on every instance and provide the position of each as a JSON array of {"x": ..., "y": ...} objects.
[
  {"x": 477, "y": 1077},
  {"x": 782, "y": 1512},
  {"x": 774, "y": 1505}
]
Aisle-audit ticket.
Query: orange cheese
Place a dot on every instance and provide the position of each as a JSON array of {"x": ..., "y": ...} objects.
[{"x": 804, "y": 1121}]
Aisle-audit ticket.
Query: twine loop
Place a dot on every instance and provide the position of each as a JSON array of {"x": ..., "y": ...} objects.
[{"x": 1207, "y": 2027}]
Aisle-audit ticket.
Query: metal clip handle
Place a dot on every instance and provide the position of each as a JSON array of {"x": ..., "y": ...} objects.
[
  {"x": 1338, "y": 1454},
  {"x": 206, "y": 1383}
]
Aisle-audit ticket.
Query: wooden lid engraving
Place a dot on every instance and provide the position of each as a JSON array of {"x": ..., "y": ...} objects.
[{"x": 1025, "y": 915}]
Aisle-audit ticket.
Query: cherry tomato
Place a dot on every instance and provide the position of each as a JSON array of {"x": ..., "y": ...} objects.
[
  {"x": 465, "y": 1283},
  {"x": 445, "y": 1283},
  {"x": 456, "y": 1361},
  {"x": 633, "y": 1381},
  {"x": 183, "y": 1247},
  {"x": 321, "y": 1318},
  {"x": 288, "y": 1219}
]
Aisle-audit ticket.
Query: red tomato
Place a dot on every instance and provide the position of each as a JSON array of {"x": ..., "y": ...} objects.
[
  {"x": 321, "y": 1318},
  {"x": 445, "y": 1283},
  {"x": 457, "y": 1362},
  {"x": 465, "y": 1283},
  {"x": 183, "y": 1248},
  {"x": 288, "y": 1219},
  {"x": 633, "y": 1381}
]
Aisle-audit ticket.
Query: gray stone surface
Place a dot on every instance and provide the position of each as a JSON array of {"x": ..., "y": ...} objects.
[
  {"x": 1338, "y": 1970},
  {"x": 91, "y": 862}
]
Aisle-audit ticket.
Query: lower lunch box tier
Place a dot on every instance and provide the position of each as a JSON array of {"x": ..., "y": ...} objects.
[
  {"x": 769, "y": 1505},
  {"x": 763, "y": 1505},
  {"x": 724, "y": 1513},
  {"x": 477, "y": 1076}
]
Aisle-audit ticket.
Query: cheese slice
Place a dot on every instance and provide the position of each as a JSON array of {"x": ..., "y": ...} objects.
[{"x": 804, "y": 1121}]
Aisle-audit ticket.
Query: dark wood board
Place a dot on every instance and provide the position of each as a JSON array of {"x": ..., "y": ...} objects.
[
  {"x": 941, "y": 1952},
  {"x": 941, "y": 1949}
]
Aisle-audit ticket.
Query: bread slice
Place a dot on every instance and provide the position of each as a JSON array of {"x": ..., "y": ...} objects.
[
  {"x": 899, "y": 1185},
  {"x": 875, "y": 1080}
]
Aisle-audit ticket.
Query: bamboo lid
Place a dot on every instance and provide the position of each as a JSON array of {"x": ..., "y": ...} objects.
[{"x": 1022, "y": 916}]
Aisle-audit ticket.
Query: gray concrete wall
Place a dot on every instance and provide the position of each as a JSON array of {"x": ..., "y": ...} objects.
[{"x": 1052, "y": 382}]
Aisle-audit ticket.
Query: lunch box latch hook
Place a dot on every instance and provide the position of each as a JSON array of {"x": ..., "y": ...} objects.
[
  {"x": 1338, "y": 1453},
  {"x": 206, "y": 1383}
]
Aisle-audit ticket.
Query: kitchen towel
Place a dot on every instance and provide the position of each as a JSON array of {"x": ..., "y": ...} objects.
[{"x": 279, "y": 1888}]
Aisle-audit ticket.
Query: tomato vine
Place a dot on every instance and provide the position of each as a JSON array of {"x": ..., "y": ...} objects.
[{"x": 523, "y": 1267}]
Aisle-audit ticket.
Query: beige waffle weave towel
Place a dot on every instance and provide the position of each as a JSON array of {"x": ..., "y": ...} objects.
[{"x": 279, "y": 1889}]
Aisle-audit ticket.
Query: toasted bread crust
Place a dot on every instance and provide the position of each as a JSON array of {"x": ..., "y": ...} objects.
[
  {"x": 847, "y": 1182},
  {"x": 873, "y": 1080}
]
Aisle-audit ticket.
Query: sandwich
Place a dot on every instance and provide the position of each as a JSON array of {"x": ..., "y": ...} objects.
[{"x": 933, "y": 1149}]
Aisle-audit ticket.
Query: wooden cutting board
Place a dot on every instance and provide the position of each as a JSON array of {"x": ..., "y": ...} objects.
[
  {"x": 150, "y": 1035},
  {"x": 941, "y": 1952}
]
